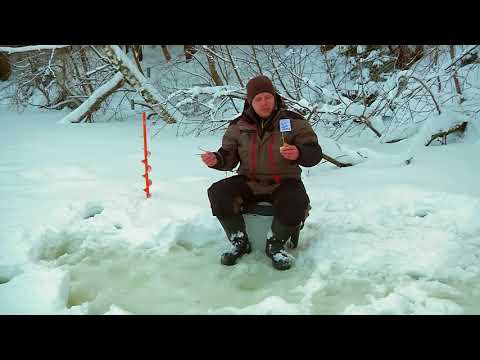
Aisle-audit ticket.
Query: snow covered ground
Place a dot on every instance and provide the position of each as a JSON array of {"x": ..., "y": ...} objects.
[{"x": 77, "y": 235}]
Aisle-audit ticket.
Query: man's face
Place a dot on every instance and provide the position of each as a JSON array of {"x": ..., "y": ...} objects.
[{"x": 263, "y": 104}]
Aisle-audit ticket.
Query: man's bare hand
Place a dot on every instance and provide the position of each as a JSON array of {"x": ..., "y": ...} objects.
[
  {"x": 289, "y": 152},
  {"x": 209, "y": 158}
]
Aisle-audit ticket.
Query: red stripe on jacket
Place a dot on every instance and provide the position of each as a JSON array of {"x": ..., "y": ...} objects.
[
  {"x": 271, "y": 161},
  {"x": 253, "y": 155}
]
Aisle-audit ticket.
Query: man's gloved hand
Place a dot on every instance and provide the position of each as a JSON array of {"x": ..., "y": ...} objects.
[
  {"x": 289, "y": 152},
  {"x": 209, "y": 158}
]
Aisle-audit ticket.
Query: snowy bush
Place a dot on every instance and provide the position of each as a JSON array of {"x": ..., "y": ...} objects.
[{"x": 385, "y": 90}]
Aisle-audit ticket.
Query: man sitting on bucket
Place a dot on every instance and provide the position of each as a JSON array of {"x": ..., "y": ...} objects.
[{"x": 270, "y": 142}]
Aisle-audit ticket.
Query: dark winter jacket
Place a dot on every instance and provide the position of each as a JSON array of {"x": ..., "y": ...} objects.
[{"x": 257, "y": 147}]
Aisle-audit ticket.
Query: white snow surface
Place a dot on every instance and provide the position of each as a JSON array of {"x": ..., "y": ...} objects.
[{"x": 77, "y": 235}]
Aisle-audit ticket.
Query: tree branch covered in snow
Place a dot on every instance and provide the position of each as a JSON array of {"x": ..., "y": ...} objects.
[
  {"x": 95, "y": 100},
  {"x": 438, "y": 126},
  {"x": 206, "y": 106},
  {"x": 55, "y": 77},
  {"x": 382, "y": 91},
  {"x": 21, "y": 49},
  {"x": 135, "y": 78}
]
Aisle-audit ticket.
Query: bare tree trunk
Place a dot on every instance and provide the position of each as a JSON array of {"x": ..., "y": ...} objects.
[
  {"x": 455, "y": 77},
  {"x": 5, "y": 67},
  {"x": 63, "y": 80},
  {"x": 166, "y": 53},
  {"x": 325, "y": 48},
  {"x": 223, "y": 72},
  {"x": 435, "y": 61},
  {"x": 78, "y": 75},
  {"x": 83, "y": 85},
  {"x": 189, "y": 51},
  {"x": 402, "y": 58},
  {"x": 138, "y": 51},
  {"x": 212, "y": 67},
  {"x": 419, "y": 51},
  {"x": 406, "y": 56},
  {"x": 36, "y": 81},
  {"x": 234, "y": 66},
  {"x": 138, "y": 56},
  {"x": 256, "y": 60},
  {"x": 84, "y": 59}
]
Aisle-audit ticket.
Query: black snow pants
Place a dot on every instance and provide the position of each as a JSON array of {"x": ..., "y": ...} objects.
[{"x": 289, "y": 200}]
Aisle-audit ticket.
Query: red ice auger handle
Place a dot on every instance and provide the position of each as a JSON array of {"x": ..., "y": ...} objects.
[{"x": 146, "y": 154}]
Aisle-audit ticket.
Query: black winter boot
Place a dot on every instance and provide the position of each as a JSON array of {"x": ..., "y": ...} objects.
[
  {"x": 276, "y": 240},
  {"x": 237, "y": 235}
]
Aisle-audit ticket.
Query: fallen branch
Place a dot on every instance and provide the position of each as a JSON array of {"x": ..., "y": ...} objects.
[
  {"x": 335, "y": 162},
  {"x": 394, "y": 141},
  {"x": 364, "y": 120},
  {"x": 458, "y": 128}
]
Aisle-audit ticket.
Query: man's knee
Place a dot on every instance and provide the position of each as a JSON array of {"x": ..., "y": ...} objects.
[
  {"x": 213, "y": 191},
  {"x": 292, "y": 192},
  {"x": 226, "y": 196},
  {"x": 225, "y": 187},
  {"x": 291, "y": 203}
]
